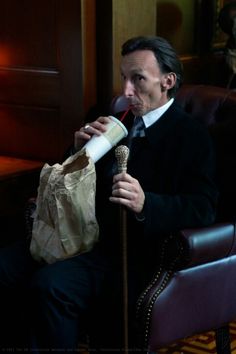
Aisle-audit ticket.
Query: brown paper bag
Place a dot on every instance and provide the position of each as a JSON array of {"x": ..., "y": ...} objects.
[{"x": 64, "y": 220}]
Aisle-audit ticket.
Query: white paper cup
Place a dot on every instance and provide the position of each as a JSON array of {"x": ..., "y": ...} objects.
[{"x": 98, "y": 146}]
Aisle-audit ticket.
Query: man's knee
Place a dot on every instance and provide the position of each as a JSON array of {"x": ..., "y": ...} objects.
[{"x": 43, "y": 285}]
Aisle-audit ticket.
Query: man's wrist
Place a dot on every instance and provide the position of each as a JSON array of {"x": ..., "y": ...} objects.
[{"x": 73, "y": 150}]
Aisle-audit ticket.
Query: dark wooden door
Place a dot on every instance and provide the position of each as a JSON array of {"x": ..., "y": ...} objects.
[{"x": 40, "y": 77}]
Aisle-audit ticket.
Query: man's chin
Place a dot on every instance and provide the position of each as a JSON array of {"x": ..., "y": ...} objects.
[{"x": 137, "y": 111}]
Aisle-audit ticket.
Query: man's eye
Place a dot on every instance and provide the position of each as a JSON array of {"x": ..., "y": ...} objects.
[{"x": 138, "y": 78}]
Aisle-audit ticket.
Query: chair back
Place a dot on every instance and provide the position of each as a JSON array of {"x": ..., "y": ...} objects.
[{"x": 216, "y": 108}]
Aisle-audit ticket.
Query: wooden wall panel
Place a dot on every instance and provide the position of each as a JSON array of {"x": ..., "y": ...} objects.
[
  {"x": 29, "y": 131},
  {"x": 41, "y": 98},
  {"x": 118, "y": 20},
  {"x": 38, "y": 87},
  {"x": 88, "y": 16},
  {"x": 28, "y": 32},
  {"x": 138, "y": 18},
  {"x": 182, "y": 18}
]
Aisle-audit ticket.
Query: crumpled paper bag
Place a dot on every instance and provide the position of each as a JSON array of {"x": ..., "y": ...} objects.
[{"x": 64, "y": 220}]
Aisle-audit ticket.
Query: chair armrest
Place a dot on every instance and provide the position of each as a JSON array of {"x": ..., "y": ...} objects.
[{"x": 208, "y": 244}]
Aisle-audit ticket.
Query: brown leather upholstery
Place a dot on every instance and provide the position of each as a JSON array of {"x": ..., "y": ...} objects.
[
  {"x": 216, "y": 107},
  {"x": 198, "y": 294}
]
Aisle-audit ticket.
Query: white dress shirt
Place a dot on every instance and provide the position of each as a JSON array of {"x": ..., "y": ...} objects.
[{"x": 152, "y": 116}]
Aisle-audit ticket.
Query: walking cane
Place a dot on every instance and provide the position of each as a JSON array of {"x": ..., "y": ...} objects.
[{"x": 122, "y": 154}]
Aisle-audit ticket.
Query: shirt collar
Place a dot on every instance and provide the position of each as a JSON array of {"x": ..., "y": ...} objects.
[{"x": 152, "y": 116}]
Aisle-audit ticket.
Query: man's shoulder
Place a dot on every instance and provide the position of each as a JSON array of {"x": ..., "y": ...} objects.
[
  {"x": 188, "y": 128},
  {"x": 187, "y": 118}
]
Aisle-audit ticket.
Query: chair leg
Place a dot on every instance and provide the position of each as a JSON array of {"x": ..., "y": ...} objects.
[{"x": 222, "y": 337}]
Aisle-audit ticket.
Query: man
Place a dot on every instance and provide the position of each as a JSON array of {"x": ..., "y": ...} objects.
[{"x": 168, "y": 186}]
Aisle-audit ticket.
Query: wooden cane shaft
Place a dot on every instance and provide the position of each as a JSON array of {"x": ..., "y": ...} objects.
[{"x": 123, "y": 219}]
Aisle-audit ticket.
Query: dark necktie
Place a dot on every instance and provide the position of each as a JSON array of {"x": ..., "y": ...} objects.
[{"x": 137, "y": 129}]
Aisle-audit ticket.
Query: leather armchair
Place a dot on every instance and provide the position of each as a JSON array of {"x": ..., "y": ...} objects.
[{"x": 197, "y": 291}]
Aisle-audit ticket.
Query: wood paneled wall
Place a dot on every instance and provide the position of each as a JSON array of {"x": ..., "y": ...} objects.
[
  {"x": 89, "y": 53},
  {"x": 41, "y": 100},
  {"x": 136, "y": 19}
]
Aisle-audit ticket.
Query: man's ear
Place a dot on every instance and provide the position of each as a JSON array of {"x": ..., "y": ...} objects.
[{"x": 168, "y": 81}]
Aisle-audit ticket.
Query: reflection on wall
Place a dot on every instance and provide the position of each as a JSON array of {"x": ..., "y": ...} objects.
[
  {"x": 189, "y": 25},
  {"x": 220, "y": 37},
  {"x": 176, "y": 22}
]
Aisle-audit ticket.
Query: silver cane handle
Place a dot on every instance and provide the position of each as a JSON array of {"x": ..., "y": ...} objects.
[{"x": 122, "y": 154}]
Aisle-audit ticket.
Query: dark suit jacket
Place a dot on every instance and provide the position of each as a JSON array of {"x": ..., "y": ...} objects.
[{"x": 175, "y": 165}]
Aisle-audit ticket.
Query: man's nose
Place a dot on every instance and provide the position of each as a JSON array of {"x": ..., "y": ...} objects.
[{"x": 128, "y": 89}]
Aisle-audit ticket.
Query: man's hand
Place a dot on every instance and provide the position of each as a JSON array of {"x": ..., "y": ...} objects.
[
  {"x": 127, "y": 191},
  {"x": 85, "y": 133}
]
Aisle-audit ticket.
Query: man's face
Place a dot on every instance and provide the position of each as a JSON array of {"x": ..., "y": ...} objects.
[{"x": 143, "y": 83}]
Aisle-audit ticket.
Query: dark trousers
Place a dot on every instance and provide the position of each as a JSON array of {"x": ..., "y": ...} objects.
[
  {"x": 61, "y": 302},
  {"x": 57, "y": 298}
]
